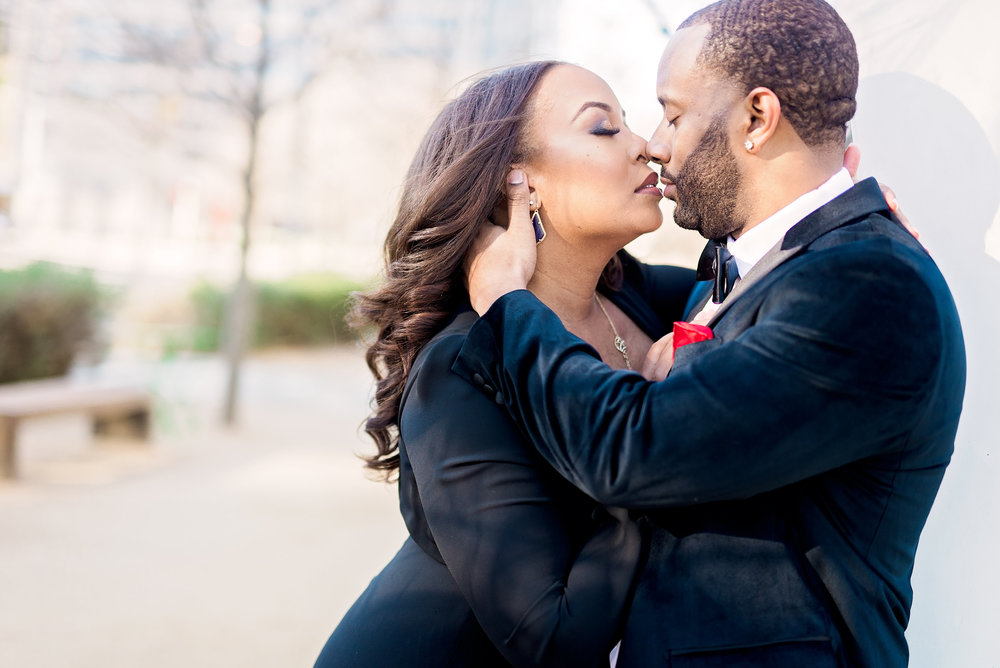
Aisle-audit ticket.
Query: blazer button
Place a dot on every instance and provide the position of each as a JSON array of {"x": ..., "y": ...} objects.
[
  {"x": 488, "y": 389},
  {"x": 499, "y": 398},
  {"x": 478, "y": 380}
]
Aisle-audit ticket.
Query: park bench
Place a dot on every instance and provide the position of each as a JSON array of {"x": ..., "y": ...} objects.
[{"x": 115, "y": 410}]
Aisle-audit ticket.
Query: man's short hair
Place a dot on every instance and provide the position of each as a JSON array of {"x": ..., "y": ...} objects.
[{"x": 800, "y": 49}]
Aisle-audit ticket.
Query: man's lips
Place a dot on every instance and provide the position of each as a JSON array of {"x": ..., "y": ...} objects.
[
  {"x": 649, "y": 186},
  {"x": 669, "y": 187}
]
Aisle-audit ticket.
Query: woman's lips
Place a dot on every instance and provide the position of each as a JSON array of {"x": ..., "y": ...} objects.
[{"x": 649, "y": 186}]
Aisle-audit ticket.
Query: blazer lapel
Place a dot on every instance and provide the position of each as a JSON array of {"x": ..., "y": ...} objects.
[{"x": 862, "y": 200}]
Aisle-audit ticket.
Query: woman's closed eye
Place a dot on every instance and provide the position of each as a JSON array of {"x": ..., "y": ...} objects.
[{"x": 605, "y": 131}]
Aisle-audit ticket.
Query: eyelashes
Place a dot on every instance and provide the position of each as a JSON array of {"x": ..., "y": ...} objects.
[{"x": 602, "y": 131}]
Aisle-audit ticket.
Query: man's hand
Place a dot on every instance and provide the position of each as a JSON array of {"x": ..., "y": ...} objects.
[{"x": 501, "y": 261}]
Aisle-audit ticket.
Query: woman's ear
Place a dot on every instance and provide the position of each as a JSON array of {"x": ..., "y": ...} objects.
[
  {"x": 763, "y": 111},
  {"x": 534, "y": 199}
]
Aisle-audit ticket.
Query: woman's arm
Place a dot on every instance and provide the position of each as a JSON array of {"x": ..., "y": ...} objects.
[{"x": 499, "y": 518}]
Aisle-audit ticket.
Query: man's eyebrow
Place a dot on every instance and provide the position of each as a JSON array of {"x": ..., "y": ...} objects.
[{"x": 588, "y": 105}]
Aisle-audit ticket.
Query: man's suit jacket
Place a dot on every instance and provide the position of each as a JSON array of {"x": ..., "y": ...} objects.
[
  {"x": 788, "y": 464},
  {"x": 507, "y": 564}
]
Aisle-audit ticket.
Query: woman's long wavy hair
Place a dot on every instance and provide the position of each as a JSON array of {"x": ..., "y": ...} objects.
[{"x": 456, "y": 180}]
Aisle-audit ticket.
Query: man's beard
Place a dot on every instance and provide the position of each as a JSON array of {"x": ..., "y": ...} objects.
[{"x": 708, "y": 186}]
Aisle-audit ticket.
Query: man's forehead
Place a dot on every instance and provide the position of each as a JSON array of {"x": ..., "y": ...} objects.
[
  {"x": 677, "y": 70},
  {"x": 681, "y": 81}
]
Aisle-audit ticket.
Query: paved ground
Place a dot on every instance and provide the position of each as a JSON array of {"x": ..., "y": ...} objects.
[
  {"x": 219, "y": 548},
  {"x": 213, "y": 547}
]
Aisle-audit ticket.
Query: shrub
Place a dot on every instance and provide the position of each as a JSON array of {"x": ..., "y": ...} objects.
[
  {"x": 48, "y": 315},
  {"x": 209, "y": 305},
  {"x": 304, "y": 310}
]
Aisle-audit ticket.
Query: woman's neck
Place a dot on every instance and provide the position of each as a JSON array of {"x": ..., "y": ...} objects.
[{"x": 566, "y": 282}]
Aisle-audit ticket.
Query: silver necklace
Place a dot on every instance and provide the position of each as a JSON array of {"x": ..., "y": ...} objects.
[{"x": 620, "y": 344}]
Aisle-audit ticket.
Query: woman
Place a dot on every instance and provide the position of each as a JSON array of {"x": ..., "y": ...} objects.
[{"x": 506, "y": 562}]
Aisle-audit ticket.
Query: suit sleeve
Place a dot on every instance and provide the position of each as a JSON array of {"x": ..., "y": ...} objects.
[
  {"x": 827, "y": 375},
  {"x": 543, "y": 599}
]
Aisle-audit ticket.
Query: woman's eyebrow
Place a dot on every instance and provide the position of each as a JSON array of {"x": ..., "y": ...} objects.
[{"x": 588, "y": 105}]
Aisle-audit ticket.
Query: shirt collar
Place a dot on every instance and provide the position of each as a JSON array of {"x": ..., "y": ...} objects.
[{"x": 762, "y": 237}]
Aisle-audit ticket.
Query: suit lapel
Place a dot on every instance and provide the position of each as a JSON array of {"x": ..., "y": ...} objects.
[
  {"x": 863, "y": 199},
  {"x": 700, "y": 294}
]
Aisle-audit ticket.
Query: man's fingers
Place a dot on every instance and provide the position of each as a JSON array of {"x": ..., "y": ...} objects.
[
  {"x": 518, "y": 209},
  {"x": 487, "y": 234},
  {"x": 852, "y": 158},
  {"x": 517, "y": 194},
  {"x": 502, "y": 260}
]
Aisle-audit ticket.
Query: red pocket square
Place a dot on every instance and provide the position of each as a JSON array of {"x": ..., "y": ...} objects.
[{"x": 685, "y": 333}]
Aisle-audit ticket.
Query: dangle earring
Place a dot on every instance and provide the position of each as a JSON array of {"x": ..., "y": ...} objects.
[{"x": 536, "y": 222}]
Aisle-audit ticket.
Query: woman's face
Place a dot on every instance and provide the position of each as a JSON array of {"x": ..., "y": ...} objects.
[{"x": 588, "y": 170}]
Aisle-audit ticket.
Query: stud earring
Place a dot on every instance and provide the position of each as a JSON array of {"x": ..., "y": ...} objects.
[{"x": 748, "y": 144}]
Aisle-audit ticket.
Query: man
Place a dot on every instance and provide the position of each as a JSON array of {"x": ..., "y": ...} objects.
[{"x": 789, "y": 463}]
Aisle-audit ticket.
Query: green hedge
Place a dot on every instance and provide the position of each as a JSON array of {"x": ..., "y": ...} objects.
[
  {"x": 301, "y": 311},
  {"x": 47, "y": 315}
]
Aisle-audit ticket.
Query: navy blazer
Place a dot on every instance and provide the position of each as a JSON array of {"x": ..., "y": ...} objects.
[
  {"x": 789, "y": 463},
  {"x": 507, "y": 561}
]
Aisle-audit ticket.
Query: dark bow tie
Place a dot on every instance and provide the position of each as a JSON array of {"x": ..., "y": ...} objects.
[{"x": 718, "y": 263}]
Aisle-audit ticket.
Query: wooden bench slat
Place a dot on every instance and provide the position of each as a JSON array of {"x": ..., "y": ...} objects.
[
  {"x": 47, "y": 397},
  {"x": 105, "y": 404}
]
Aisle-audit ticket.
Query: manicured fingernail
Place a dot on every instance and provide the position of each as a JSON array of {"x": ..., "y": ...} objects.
[{"x": 516, "y": 177}]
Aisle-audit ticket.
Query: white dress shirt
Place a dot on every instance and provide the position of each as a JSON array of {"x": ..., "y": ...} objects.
[
  {"x": 762, "y": 237},
  {"x": 765, "y": 235}
]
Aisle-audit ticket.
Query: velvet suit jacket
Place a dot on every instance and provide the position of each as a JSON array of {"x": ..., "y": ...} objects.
[
  {"x": 788, "y": 464},
  {"x": 507, "y": 562}
]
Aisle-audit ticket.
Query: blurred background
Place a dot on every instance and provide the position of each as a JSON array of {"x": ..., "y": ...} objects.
[{"x": 189, "y": 191}]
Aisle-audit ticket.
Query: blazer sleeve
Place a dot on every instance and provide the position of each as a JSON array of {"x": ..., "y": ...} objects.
[
  {"x": 543, "y": 598},
  {"x": 829, "y": 373}
]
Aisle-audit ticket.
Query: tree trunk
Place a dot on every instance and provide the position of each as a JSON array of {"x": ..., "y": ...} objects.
[{"x": 240, "y": 312}]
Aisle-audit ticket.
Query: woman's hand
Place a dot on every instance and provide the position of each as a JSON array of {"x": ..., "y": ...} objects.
[
  {"x": 890, "y": 199},
  {"x": 502, "y": 260},
  {"x": 852, "y": 158},
  {"x": 659, "y": 359}
]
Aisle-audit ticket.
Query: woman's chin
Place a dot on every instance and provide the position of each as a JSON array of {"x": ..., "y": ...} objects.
[
  {"x": 653, "y": 225},
  {"x": 641, "y": 233}
]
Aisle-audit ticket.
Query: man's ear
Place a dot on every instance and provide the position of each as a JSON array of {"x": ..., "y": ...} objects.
[{"x": 762, "y": 113}]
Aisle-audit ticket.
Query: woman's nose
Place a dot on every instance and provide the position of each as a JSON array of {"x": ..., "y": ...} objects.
[{"x": 640, "y": 151}]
